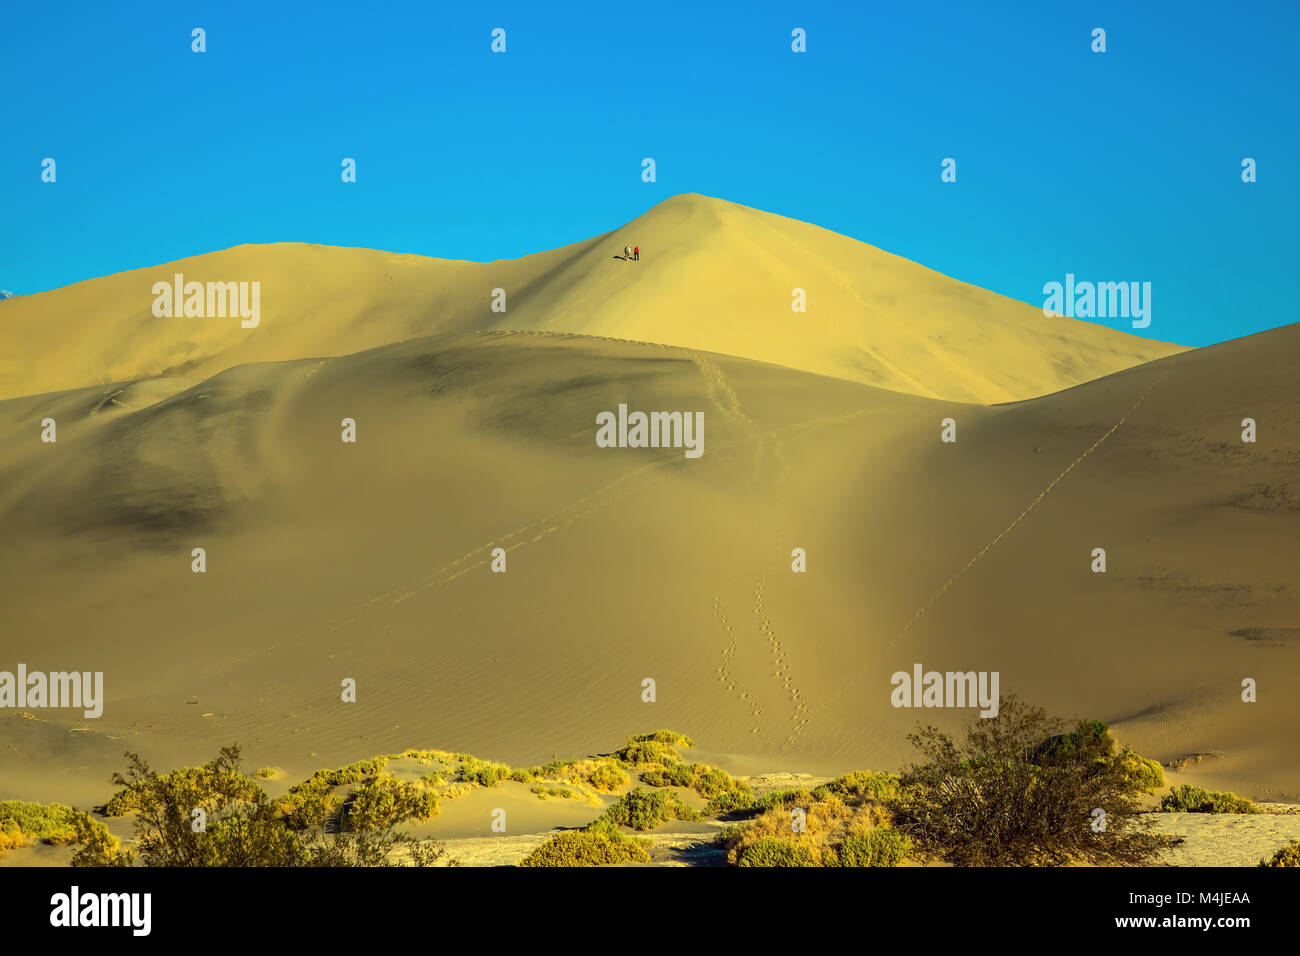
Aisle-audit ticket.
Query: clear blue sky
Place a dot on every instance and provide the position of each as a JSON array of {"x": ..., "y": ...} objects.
[{"x": 1116, "y": 166}]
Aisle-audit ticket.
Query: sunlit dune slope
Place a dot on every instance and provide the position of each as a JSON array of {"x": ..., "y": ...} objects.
[
  {"x": 372, "y": 561},
  {"x": 713, "y": 275}
]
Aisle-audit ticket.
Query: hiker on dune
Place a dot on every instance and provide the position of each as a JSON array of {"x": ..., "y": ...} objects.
[
  {"x": 636, "y": 253},
  {"x": 627, "y": 252}
]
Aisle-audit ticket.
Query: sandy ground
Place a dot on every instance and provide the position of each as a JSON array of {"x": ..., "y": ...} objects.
[{"x": 328, "y": 561}]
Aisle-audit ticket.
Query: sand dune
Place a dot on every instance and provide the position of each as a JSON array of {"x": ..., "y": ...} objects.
[
  {"x": 714, "y": 276},
  {"x": 370, "y": 561}
]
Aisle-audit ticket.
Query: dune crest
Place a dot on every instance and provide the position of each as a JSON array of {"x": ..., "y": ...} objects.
[{"x": 713, "y": 275}]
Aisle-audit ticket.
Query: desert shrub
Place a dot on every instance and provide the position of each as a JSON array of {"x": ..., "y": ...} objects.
[
  {"x": 52, "y": 823},
  {"x": 217, "y": 780},
  {"x": 240, "y": 830},
  {"x": 11, "y": 838},
  {"x": 601, "y": 774},
  {"x": 597, "y": 845},
  {"x": 670, "y": 737},
  {"x": 552, "y": 769},
  {"x": 308, "y": 805},
  {"x": 376, "y": 848},
  {"x": 711, "y": 783},
  {"x": 546, "y": 792},
  {"x": 243, "y": 827},
  {"x": 382, "y": 802},
  {"x": 645, "y": 810},
  {"x": 824, "y": 823},
  {"x": 97, "y": 847},
  {"x": 1189, "y": 799},
  {"x": 771, "y": 851},
  {"x": 353, "y": 773},
  {"x": 1016, "y": 791},
  {"x": 659, "y": 747},
  {"x": 882, "y": 846},
  {"x": 1288, "y": 855},
  {"x": 22, "y": 824},
  {"x": 638, "y": 752},
  {"x": 483, "y": 773},
  {"x": 730, "y": 836},
  {"x": 780, "y": 798},
  {"x": 1146, "y": 775},
  {"x": 673, "y": 775},
  {"x": 730, "y": 801},
  {"x": 607, "y": 777},
  {"x": 863, "y": 784}
]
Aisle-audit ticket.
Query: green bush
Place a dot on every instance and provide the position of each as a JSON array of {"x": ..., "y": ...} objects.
[
  {"x": 670, "y": 737},
  {"x": 732, "y": 801},
  {"x": 353, "y": 773},
  {"x": 1289, "y": 855},
  {"x": 771, "y": 851},
  {"x": 383, "y": 802},
  {"x": 23, "y": 823},
  {"x": 879, "y": 847},
  {"x": 862, "y": 784},
  {"x": 657, "y": 748},
  {"x": 647, "y": 751},
  {"x": 779, "y": 798},
  {"x": 217, "y": 778},
  {"x": 244, "y": 827},
  {"x": 545, "y": 792},
  {"x": 308, "y": 805},
  {"x": 97, "y": 847},
  {"x": 674, "y": 775},
  {"x": 1146, "y": 775},
  {"x": 599, "y": 844},
  {"x": 724, "y": 793},
  {"x": 52, "y": 823},
  {"x": 645, "y": 810},
  {"x": 483, "y": 773},
  {"x": 607, "y": 777},
  {"x": 1189, "y": 799},
  {"x": 1018, "y": 792},
  {"x": 731, "y": 834}
]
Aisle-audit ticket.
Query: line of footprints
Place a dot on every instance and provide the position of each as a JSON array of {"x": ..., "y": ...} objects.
[{"x": 781, "y": 669}]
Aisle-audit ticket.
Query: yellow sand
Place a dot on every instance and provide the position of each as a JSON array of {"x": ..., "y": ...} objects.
[
  {"x": 713, "y": 275},
  {"x": 370, "y": 561}
]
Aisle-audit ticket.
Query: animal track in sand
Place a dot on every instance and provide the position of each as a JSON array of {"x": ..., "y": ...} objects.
[
  {"x": 768, "y": 445},
  {"x": 780, "y": 665},
  {"x": 724, "y": 671}
]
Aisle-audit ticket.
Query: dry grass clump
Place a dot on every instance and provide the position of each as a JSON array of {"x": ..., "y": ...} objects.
[
  {"x": 810, "y": 828},
  {"x": 1190, "y": 799},
  {"x": 600, "y": 844},
  {"x": 454, "y": 774}
]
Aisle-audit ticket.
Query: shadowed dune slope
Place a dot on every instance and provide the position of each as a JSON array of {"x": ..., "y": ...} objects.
[
  {"x": 371, "y": 561},
  {"x": 714, "y": 275}
]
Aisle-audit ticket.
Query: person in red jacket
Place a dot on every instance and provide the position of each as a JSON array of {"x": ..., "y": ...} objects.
[{"x": 636, "y": 253}]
